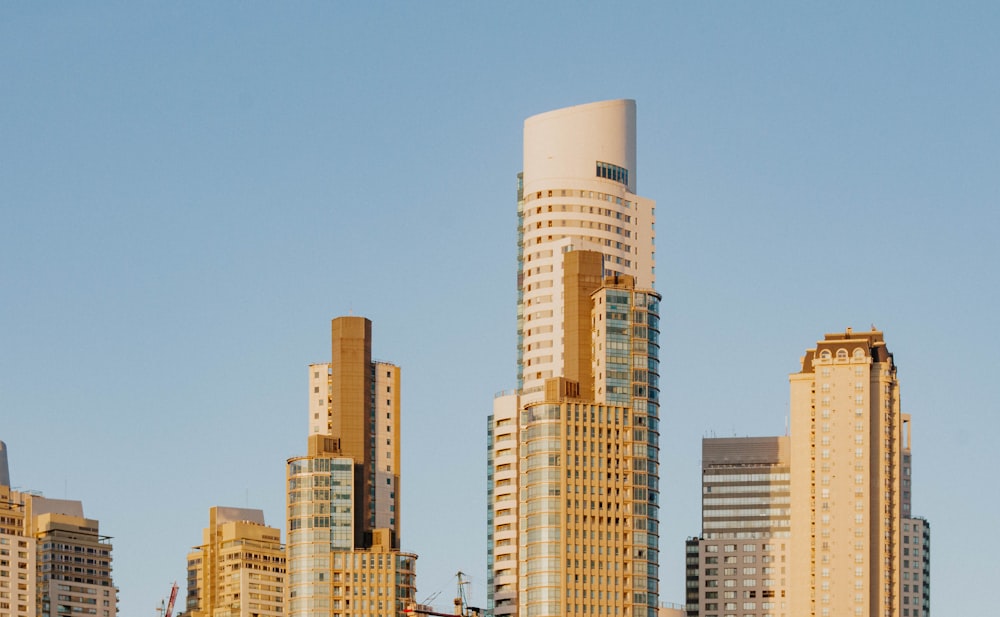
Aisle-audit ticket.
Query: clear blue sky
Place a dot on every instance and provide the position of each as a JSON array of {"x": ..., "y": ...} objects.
[{"x": 190, "y": 191}]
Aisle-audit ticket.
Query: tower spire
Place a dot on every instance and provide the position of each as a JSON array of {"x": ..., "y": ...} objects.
[{"x": 4, "y": 469}]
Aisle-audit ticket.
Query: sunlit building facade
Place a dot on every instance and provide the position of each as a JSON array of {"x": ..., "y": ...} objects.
[
  {"x": 573, "y": 478},
  {"x": 848, "y": 440},
  {"x": 357, "y": 400},
  {"x": 342, "y": 542},
  {"x": 73, "y": 560},
  {"x": 18, "y": 586},
  {"x": 53, "y": 560},
  {"x": 577, "y": 191},
  {"x": 239, "y": 568}
]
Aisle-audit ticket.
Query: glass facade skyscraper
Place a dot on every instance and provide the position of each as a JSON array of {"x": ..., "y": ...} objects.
[{"x": 573, "y": 472}]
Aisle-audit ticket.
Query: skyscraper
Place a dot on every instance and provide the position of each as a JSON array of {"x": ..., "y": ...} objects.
[
  {"x": 573, "y": 478},
  {"x": 739, "y": 564},
  {"x": 238, "y": 570},
  {"x": 357, "y": 401},
  {"x": 849, "y": 438},
  {"x": 343, "y": 541},
  {"x": 833, "y": 500},
  {"x": 577, "y": 192}
]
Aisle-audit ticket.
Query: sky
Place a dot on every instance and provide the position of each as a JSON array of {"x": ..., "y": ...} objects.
[{"x": 189, "y": 192}]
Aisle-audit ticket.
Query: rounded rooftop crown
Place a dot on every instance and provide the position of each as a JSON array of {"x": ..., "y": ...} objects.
[{"x": 568, "y": 143}]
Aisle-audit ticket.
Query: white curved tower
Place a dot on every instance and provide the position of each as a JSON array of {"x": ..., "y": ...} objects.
[
  {"x": 573, "y": 524},
  {"x": 577, "y": 192}
]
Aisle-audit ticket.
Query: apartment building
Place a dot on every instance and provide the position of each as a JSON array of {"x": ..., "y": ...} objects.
[
  {"x": 238, "y": 570},
  {"x": 343, "y": 496}
]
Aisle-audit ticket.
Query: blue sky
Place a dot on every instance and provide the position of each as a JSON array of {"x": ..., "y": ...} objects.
[{"x": 190, "y": 191}]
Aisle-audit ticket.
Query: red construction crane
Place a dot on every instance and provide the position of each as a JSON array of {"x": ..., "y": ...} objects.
[{"x": 173, "y": 598}]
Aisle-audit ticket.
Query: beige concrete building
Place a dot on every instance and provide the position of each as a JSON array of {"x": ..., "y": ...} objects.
[
  {"x": 239, "y": 568},
  {"x": 378, "y": 580},
  {"x": 343, "y": 541},
  {"x": 502, "y": 465},
  {"x": 819, "y": 523},
  {"x": 73, "y": 560},
  {"x": 848, "y": 438},
  {"x": 590, "y": 544},
  {"x": 739, "y": 565},
  {"x": 572, "y": 454},
  {"x": 53, "y": 560},
  {"x": 18, "y": 588}
]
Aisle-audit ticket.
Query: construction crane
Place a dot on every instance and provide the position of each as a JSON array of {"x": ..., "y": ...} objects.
[
  {"x": 169, "y": 610},
  {"x": 461, "y": 600},
  {"x": 173, "y": 598},
  {"x": 430, "y": 599},
  {"x": 462, "y": 608}
]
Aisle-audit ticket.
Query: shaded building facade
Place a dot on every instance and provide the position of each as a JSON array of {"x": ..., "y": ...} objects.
[
  {"x": 739, "y": 564},
  {"x": 916, "y": 570}
]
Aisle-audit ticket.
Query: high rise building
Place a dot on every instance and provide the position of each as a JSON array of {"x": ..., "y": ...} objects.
[
  {"x": 818, "y": 523},
  {"x": 73, "y": 560},
  {"x": 573, "y": 478},
  {"x": 739, "y": 564},
  {"x": 357, "y": 401},
  {"x": 343, "y": 541},
  {"x": 577, "y": 191},
  {"x": 53, "y": 560},
  {"x": 850, "y": 451},
  {"x": 239, "y": 568}
]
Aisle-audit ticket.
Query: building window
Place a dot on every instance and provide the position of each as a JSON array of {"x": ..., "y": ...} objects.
[{"x": 612, "y": 172}]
